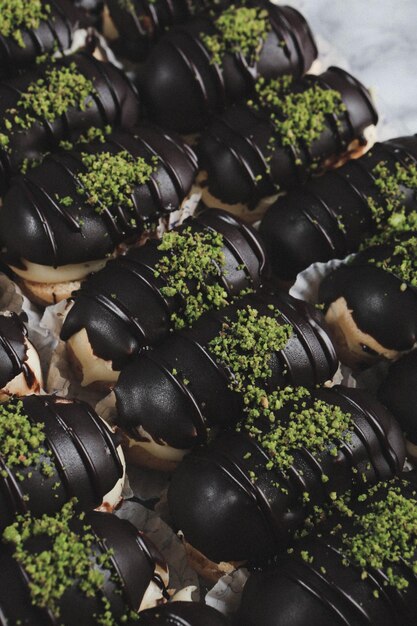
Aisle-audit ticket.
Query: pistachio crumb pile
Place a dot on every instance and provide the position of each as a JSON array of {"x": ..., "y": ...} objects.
[
  {"x": 22, "y": 442},
  {"x": 241, "y": 31},
  {"x": 401, "y": 261},
  {"x": 69, "y": 558},
  {"x": 18, "y": 15},
  {"x": 191, "y": 269}
]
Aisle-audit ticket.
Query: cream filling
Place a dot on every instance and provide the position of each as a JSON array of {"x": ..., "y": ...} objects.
[
  {"x": 184, "y": 595},
  {"x": 37, "y": 273},
  {"x": 411, "y": 449},
  {"x": 348, "y": 338},
  {"x": 153, "y": 595},
  {"x": 18, "y": 385},
  {"x": 160, "y": 451},
  {"x": 92, "y": 368},
  {"x": 114, "y": 496}
]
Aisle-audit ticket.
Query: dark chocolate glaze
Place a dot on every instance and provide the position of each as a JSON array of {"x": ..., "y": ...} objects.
[
  {"x": 54, "y": 34},
  {"x": 379, "y": 306},
  {"x": 228, "y": 517},
  {"x": 181, "y": 65},
  {"x": 114, "y": 102},
  {"x": 150, "y": 396},
  {"x": 329, "y": 216},
  {"x": 140, "y": 29},
  {"x": 133, "y": 560},
  {"x": 399, "y": 393},
  {"x": 122, "y": 307},
  {"x": 13, "y": 350},
  {"x": 36, "y": 226},
  {"x": 297, "y": 593},
  {"x": 236, "y": 153},
  {"x": 84, "y": 454},
  {"x": 183, "y": 614}
]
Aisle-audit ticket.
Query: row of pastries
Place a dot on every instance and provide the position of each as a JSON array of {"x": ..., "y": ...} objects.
[{"x": 167, "y": 169}]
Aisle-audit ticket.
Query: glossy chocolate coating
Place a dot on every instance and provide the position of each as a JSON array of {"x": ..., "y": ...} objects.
[
  {"x": 149, "y": 395},
  {"x": 140, "y": 315},
  {"x": 84, "y": 455},
  {"x": 236, "y": 153},
  {"x": 399, "y": 393},
  {"x": 13, "y": 350},
  {"x": 183, "y": 614},
  {"x": 140, "y": 29},
  {"x": 54, "y": 34},
  {"x": 133, "y": 558},
  {"x": 36, "y": 226},
  {"x": 181, "y": 64},
  {"x": 378, "y": 305},
  {"x": 298, "y": 593},
  {"x": 114, "y": 102},
  {"x": 228, "y": 517},
  {"x": 329, "y": 216}
]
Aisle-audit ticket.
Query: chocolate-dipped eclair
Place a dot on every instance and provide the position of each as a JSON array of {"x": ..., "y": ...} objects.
[
  {"x": 20, "y": 368},
  {"x": 56, "y": 103},
  {"x": 169, "y": 397},
  {"x": 370, "y": 303},
  {"x": 330, "y": 216},
  {"x": 360, "y": 570},
  {"x": 77, "y": 570},
  {"x": 63, "y": 219},
  {"x": 29, "y": 30},
  {"x": 244, "y": 496},
  {"x": 135, "y": 26},
  {"x": 53, "y": 449},
  {"x": 183, "y": 614},
  {"x": 211, "y": 64},
  {"x": 288, "y": 131},
  {"x": 399, "y": 393},
  {"x": 137, "y": 299}
]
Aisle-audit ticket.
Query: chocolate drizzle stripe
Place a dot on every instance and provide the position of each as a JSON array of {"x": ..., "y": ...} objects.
[
  {"x": 177, "y": 182},
  {"x": 216, "y": 70},
  {"x": 139, "y": 271},
  {"x": 185, "y": 150},
  {"x": 7, "y": 346},
  {"x": 13, "y": 488},
  {"x": 222, "y": 370},
  {"x": 318, "y": 226},
  {"x": 384, "y": 441},
  {"x": 196, "y": 415},
  {"x": 198, "y": 79},
  {"x": 29, "y": 187},
  {"x": 46, "y": 612},
  {"x": 64, "y": 17},
  {"x": 118, "y": 309},
  {"x": 49, "y": 21},
  {"x": 333, "y": 117},
  {"x": 66, "y": 215},
  {"x": 100, "y": 67},
  {"x": 107, "y": 436},
  {"x": 352, "y": 186}
]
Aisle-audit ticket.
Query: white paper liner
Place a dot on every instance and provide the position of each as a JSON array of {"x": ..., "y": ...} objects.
[{"x": 226, "y": 594}]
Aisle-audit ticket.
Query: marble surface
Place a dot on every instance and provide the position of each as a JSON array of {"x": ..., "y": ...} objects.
[{"x": 376, "y": 41}]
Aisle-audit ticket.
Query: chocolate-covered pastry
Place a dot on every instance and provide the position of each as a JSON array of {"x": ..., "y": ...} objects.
[
  {"x": 137, "y": 299},
  {"x": 360, "y": 572},
  {"x": 137, "y": 25},
  {"x": 77, "y": 571},
  {"x": 183, "y": 614},
  {"x": 29, "y": 30},
  {"x": 288, "y": 131},
  {"x": 57, "y": 102},
  {"x": 211, "y": 64},
  {"x": 371, "y": 303},
  {"x": 62, "y": 219},
  {"x": 244, "y": 496},
  {"x": 399, "y": 393},
  {"x": 330, "y": 216},
  {"x": 20, "y": 368},
  {"x": 167, "y": 398},
  {"x": 53, "y": 449}
]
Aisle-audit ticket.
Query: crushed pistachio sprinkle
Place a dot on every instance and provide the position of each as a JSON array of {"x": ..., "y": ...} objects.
[
  {"x": 22, "y": 442},
  {"x": 238, "y": 31},
  {"x": 401, "y": 261},
  {"x": 69, "y": 559},
  {"x": 18, "y": 15},
  {"x": 191, "y": 269}
]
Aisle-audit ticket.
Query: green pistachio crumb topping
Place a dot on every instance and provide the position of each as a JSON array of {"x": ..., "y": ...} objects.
[
  {"x": 16, "y": 15},
  {"x": 191, "y": 269},
  {"x": 389, "y": 212},
  {"x": 238, "y": 31},
  {"x": 298, "y": 118},
  {"x": 70, "y": 558},
  {"x": 22, "y": 442},
  {"x": 110, "y": 179},
  {"x": 385, "y": 535},
  {"x": 401, "y": 261}
]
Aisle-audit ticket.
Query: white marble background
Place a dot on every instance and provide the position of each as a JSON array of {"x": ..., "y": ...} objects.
[{"x": 376, "y": 40}]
